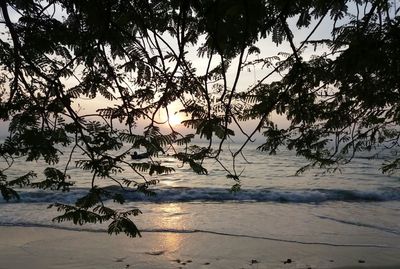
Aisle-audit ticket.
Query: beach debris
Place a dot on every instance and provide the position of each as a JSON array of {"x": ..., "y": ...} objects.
[
  {"x": 119, "y": 259},
  {"x": 177, "y": 260},
  {"x": 127, "y": 266},
  {"x": 331, "y": 260},
  {"x": 155, "y": 253},
  {"x": 206, "y": 263},
  {"x": 361, "y": 261},
  {"x": 189, "y": 261},
  {"x": 287, "y": 261},
  {"x": 254, "y": 261}
]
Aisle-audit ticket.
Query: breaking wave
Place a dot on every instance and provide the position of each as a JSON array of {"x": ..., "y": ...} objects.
[{"x": 221, "y": 195}]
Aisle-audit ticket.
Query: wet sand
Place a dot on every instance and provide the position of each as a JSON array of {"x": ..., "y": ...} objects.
[{"x": 33, "y": 247}]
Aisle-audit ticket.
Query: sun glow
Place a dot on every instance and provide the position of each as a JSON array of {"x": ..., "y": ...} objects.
[{"x": 175, "y": 119}]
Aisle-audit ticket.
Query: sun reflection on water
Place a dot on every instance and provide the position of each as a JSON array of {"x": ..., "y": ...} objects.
[{"x": 171, "y": 219}]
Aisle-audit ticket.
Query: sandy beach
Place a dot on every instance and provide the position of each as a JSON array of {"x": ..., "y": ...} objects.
[{"x": 33, "y": 247}]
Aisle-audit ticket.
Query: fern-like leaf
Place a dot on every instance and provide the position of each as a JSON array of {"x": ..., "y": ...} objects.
[{"x": 125, "y": 225}]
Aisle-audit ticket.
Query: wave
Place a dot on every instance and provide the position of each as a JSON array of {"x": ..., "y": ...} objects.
[
  {"x": 221, "y": 195},
  {"x": 195, "y": 231}
]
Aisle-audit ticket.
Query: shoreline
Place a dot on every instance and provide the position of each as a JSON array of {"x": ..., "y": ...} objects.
[
  {"x": 52, "y": 247},
  {"x": 78, "y": 228}
]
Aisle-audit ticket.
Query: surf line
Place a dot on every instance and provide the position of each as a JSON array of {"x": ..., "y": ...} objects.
[
  {"x": 81, "y": 229},
  {"x": 263, "y": 238},
  {"x": 360, "y": 224}
]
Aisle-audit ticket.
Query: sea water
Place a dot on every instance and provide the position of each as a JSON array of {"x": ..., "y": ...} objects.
[{"x": 356, "y": 206}]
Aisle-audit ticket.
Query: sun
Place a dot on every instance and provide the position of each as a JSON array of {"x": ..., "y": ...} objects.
[{"x": 174, "y": 119}]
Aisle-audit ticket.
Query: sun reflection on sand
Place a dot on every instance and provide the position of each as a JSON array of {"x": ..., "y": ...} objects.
[{"x": 171, "y": 219}]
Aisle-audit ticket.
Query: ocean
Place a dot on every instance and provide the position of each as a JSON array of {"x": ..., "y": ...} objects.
[{"x": 357, "y": 206}]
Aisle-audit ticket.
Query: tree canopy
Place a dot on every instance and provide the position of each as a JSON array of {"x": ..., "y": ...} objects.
[{"x": 339, "y": 93}]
